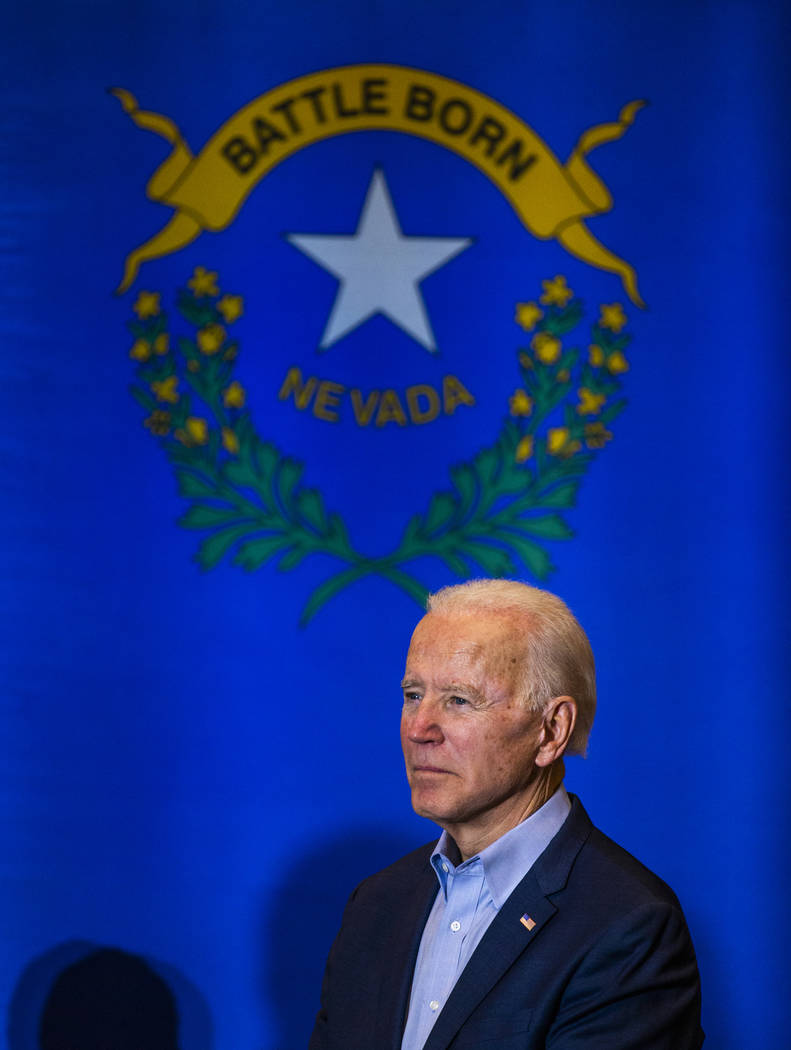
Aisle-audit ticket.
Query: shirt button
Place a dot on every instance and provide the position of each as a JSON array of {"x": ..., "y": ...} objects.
[
  {"x": 445, "y": 868},
  {"x": 433, "y": 1005},
  {"x": 455, "y": 925}
]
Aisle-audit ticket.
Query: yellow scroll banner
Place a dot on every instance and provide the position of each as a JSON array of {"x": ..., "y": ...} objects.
[{"x": 551, "y": 199}]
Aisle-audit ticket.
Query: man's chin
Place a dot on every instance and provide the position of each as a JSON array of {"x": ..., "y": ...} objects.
[{"x": 430, "y": 806}]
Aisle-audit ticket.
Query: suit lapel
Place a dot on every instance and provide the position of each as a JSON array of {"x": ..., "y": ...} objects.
[
  {"x": 507, "y": 937},
  {"x": 411, "y": 911}
]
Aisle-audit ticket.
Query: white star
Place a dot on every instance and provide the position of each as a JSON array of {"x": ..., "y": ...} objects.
[{"x": 379, "y": 269}]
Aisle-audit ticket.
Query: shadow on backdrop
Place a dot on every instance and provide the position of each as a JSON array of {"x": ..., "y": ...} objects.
[
  {"x": 82, "y": 995},
  {"x": 303, "y": 916}
]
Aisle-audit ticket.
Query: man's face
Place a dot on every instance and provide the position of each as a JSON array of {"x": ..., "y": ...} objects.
[{"x": 469, "y": 740}]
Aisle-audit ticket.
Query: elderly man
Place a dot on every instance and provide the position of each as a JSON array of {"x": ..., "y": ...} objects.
[{"x": 524, "y": 927}]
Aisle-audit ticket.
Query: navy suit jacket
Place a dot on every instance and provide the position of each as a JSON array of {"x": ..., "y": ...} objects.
[{"x": 608, "y": 965}]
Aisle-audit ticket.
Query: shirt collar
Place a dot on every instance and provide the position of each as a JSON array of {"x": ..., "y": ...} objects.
[{"x": 509, "y": 858}]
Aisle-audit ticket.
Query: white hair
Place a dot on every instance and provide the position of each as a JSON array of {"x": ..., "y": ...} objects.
[{"x": 557, "y": 658}]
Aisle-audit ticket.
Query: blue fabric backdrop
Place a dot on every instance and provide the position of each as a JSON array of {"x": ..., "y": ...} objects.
[{"x": 188, "y": 773}]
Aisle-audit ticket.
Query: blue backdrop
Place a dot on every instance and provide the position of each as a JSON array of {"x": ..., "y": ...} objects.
[{"x": 209, "y": 583}]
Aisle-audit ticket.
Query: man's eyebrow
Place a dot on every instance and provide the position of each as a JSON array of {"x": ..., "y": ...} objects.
[
  {"x": 469, "y": 690},
  {"x": 408, "y": 682}
]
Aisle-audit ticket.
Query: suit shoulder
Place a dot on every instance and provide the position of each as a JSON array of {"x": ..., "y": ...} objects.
[
  {"x": 401, "y": 872},
  {"x": 581, "y": 857},
  {"x": 605, "y": 865}
]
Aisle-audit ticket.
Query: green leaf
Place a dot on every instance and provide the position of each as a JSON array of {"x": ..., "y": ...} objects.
[
  {"x": 239, "y": 474},
  {"x": 311, "y": 506},
  {"x": 561, "y": 497},
  {"x": 568, "y": 318},
  {"x": 338, "y": 532},
  {"x": 254, "y": 553},
  {"x": 572, "y": 466},
  {"x": 549, "y": 527},
  {"x": 287, "y": 478},
  {"x": 486, "y": 463},
  {"x": 292, "y": 558},
  {"x": 332, "y": 586},
  {"x": 143, "y": 398},
  {"x": 187, "y": 347},
  {"x": 612, "y": 411},
  {"x": 410, "y": 532},
  {"x": 509, "y": 435},
  {"x": 268, "y": 458},
  {"x": 201, "y": 516},
  {"x": 513, "y": 478},
  {"x": 454, "y": 563},
  {"x": 534, "y": 557},
  {"x": 440, "y": 511},
  {"x": 158, "y": 324},
  {"x": 192, "y": 486},
  {"x": 244, "y": 429},
  {"x": 568, "y": 360},
  {"x": 493, "y": 560},
  {"x": 464, "y": 480},
  {"x": 215, "y": 547},
  {"x": 407, "y": 583},
  {"x": 200, "y": 385},
  {"x": 199, "y": 312}
]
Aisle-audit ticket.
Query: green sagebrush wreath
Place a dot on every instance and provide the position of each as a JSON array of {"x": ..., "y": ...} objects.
[{"x": 501, "y": 506}]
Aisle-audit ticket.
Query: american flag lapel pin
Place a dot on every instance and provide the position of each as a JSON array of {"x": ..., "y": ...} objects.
[{"x": 527, "y": 922}]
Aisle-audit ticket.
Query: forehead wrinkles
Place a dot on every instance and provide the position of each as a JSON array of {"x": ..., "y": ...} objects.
[
  {"x": 454, "y": 664},
  {"x": 489, "y": 646}
]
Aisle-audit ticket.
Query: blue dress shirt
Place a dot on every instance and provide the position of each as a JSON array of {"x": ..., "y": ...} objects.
[{"x": 469, "y": 897}]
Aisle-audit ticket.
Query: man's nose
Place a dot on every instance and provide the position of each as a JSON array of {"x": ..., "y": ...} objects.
[{"x": 423, "y": 726}]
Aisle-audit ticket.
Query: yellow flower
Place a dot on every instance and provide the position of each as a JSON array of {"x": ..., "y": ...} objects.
[
  {"x": 520, "y": 404},
  {"x": 141, "y": 350},
  {"x": 198, "y": 429},
  {"x": 211, "y": 338},
  {"x": 612, "y": 317},
  {"x": 596, "y": 435},
  {"x": 595, "y": 355},
  {"x": 528, "y": 315},
  {"x": 193, "y": 365},
  {"x": 146, "y": 305},
  {"x": 195, "y": 431},
  {"x": 556, "y": 439},
  {"x": 617, "y": 363},
  {"x": 563, "y": 375},
  {"x": 165, "y": 389},
  {"x": 590, "y": 403},
  {"x": 158, "y": 422},
  {"x": 230, "y": 306},
  {"x": 203, "y": 282},
  {"x": 547, "y": 347},
  {"x": 524, "y": 450},
  {"x": 525, "y": 360},
  {"x": 230, "y": 441},
  {"x": 558, "y": 443},
  {"x": 234, "y": 396},
  {"x": 162, "y": 344},
  {"x": 556, "y": 291}
]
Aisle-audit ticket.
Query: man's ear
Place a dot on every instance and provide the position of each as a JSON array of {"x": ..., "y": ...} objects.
[{"x": 559, "y": 720}]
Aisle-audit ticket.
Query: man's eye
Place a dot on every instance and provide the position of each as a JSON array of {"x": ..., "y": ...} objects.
[
  {"x": 411, "y": 696},
  {"x": 458, "y": 701}
]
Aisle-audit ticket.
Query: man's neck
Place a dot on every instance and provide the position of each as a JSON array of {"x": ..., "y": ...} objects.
[{"x": 472, "y": 837}]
